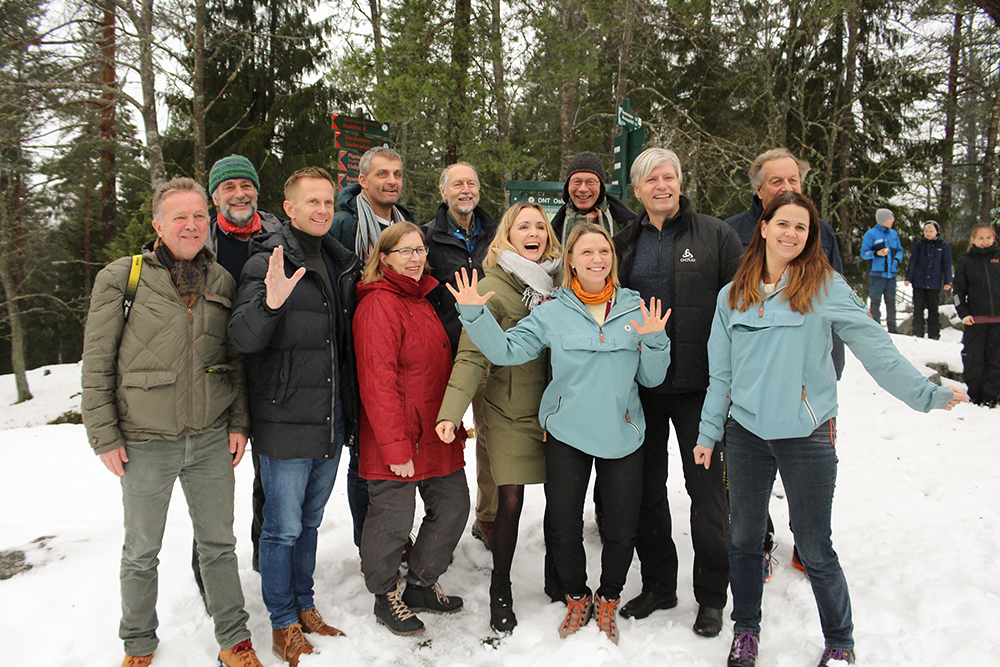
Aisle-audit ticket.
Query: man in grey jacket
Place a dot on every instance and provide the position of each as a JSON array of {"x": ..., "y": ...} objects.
[{"x": 164, "y": 398}]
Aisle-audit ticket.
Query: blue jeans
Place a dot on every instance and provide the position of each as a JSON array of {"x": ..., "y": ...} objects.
[
  {"x": 883, "y": 287},
  {"x": 808, "y": 468},
  {"x": 295, "y": 492}
]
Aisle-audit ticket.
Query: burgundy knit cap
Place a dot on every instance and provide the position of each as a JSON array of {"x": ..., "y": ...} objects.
[{"x": 585, "y": 161}]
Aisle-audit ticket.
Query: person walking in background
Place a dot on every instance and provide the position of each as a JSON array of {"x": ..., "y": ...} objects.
[
  {"x": 773, "y": 394},
  {"x": 929, "y": 271},
  {"x": 404, "y": 362},
  {"x": 977, "y": 296},
  {"x": 881, "y": 247},
  {"x": 521, "y": 267},
  {"x": 590, "y": 410},
  {"x": 164, "y": 398}
]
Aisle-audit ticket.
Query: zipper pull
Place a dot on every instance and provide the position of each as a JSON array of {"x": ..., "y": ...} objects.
[
  {"x": 761, "y": 313},
  {"x": 602, "y": 335},
  {"x": 190, "y": 316}
]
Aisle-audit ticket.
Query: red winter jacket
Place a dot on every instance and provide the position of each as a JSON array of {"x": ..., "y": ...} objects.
[{"x": 404, "y": 362}]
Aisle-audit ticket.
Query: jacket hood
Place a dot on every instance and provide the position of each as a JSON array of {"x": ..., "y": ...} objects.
[
  {"x": 399, "y": 284},
  {"x": 284, "y": 238},
  {"x": 625, "y": 300},
  {"x": 346, "y": 198},
  {"x": 976, "y": 251}
]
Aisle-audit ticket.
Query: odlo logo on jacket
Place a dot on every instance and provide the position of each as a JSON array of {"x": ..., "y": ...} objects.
[{"x": 687, "y": 256}]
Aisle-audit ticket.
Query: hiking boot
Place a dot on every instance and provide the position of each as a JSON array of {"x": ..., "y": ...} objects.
[
  {"x": 483, "y": 530},
  {"x": 137, "y": 660},
  {"x": 840, "y": 654},
  {"x": 708, "y": 623},
  {"x": 606, "y": 617},
  {"x": 392, "y": 612},
  {"x": 313, "y": 623},
  {"x": 502, "y": 618},
  {"x": 578, "y": 608},
  {"x": 289, "y": 643},
  {"x": 744, "y": 651},
  {"x": 241, "y": 655},
  {"x": 431, "y": 598},
  {"x": 796, "y": 563},
  {"x": 647, "y": 602}
]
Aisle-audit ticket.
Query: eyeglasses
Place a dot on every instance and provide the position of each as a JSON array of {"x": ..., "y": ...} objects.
[
  {"x": 592, "y": 183},
  {"x": 407, "y": 253}
]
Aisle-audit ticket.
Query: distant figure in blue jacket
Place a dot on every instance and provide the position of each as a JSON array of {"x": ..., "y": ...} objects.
[
  {"x": 773, "y": 393},
  {"x": 882, "y": 248},
  {"x": 929, "y": 271}
]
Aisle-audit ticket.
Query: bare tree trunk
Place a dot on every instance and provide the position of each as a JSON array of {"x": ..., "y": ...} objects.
[
  {"x": 499, "y": 84},
  {"x": 376, "y": 12},
  {"x": 950, "y": 108},
  {"x": 9, "y": 279},
  {"x": 109, "y": 106},
  {"x": 142, "y": 20},
  {"x": 198, "y": 88},
  {"x": 625, "y": 53},
  {"x": 456, "y": 115},
  {"x": 567, "y": 111},
  {"x": 989, "y": 159},
  {"x": 845, "y": 128}
]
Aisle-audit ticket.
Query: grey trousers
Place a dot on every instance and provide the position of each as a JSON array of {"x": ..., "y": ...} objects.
[
  {"x": 391, "y": 507},
  {"x": 205, "y": 467}
]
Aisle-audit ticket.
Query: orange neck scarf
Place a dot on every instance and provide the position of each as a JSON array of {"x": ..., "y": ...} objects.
[{"x": 603, "y": 296}]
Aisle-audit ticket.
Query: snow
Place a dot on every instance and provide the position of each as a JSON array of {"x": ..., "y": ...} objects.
[{"x": 915, "y": 525}]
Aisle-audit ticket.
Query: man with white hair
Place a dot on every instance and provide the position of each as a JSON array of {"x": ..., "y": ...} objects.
[{"x": 682, "y": 258}]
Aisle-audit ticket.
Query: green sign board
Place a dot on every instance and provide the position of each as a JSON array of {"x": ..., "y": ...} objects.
[
  {"x": 357, "y": 125},
  {"x": 547, "y": 194}
]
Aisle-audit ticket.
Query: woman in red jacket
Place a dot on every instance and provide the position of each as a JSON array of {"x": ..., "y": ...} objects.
[{"x": 404, "y": 362}]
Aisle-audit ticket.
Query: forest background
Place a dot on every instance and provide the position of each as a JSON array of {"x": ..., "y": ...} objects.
[{"x": 895, "y": 104}]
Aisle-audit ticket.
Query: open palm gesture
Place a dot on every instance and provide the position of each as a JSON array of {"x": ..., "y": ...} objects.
[
  {"x": 278, "y": 285},
  {"x": 467, "y": 294},
  {"x": 651, "y": 320}
]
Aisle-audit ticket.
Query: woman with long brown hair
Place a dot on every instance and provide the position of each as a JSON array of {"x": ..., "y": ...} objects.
[{"x": 772, "y": 375}]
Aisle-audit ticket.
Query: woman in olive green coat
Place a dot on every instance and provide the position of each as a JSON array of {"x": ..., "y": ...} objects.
[{"x": 521, "y": 266}]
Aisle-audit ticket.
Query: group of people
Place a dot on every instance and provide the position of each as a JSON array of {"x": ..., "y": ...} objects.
[{"x": 577, "y": 344}]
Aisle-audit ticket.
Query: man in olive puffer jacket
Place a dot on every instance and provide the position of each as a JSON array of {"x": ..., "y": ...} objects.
[{"x": 164, "y": 398}]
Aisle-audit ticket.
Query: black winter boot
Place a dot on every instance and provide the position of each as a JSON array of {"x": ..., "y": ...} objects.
[{"x": 502, "y": 618}]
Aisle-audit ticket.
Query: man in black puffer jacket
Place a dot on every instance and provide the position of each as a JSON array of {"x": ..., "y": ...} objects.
[
  {"x": 682, "y": 258},
  {"x": 292, "y": 320}
]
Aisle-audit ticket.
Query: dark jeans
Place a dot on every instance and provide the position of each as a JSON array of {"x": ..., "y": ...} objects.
[
  {"x": 808, "y": 468},
  {"x": 709, "y": 502},
  {"x": 883, "y": 287},
  {"x": 390, "y": 519},
  {"x": 981, "y": 362},
  {"x": 926, "y": 299},
  {"x": 357, "y": 497},
  {"x": 567, "y": 477},
  {"x": 297, "y": 491}
]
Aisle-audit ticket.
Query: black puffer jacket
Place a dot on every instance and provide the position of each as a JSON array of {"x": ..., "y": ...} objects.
[
  {"x": 447, "y": 255},
  {"x": 300, "y": 357},
  {"x": 707, "y": 253}
]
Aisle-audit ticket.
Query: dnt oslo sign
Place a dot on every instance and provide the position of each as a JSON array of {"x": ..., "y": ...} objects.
[{"x": 628, "y": 120}]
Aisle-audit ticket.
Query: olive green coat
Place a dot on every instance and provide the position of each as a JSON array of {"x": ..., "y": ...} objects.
[
  {"x": 168, "y": 372},
  {"x": 512, "y": 433}
]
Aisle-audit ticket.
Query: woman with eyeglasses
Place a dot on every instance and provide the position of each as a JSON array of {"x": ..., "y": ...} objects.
[{"x": 404, "y": 362}]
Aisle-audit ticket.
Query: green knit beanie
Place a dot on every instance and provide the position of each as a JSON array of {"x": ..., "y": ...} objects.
[{"x": 234, "y": 166}]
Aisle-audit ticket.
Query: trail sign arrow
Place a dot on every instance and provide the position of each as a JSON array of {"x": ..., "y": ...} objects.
[
  {"x": 360, "y": 125},
  {"x": 628, "y": 120}
]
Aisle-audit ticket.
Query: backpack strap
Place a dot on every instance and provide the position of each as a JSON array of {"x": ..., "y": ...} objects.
[{"x": 132, "y": 285}]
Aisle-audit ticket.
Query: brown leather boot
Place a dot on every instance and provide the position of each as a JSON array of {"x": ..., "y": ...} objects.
[
  {"x": 137, "y": 660},
  {"x": 241, "y": 655},
  {"x": 289, "y": 644},
  {"x": 312, "y": 622}
]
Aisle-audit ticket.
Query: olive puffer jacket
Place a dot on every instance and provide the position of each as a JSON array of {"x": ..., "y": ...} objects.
[
  {"x": 169, "y": 371},
  {"x": 404, "y": 361}
]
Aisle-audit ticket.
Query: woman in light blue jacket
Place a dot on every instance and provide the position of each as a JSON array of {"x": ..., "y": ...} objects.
[
  {"x": 590, "y": 410},
  {"x": 770, "y": 372}
]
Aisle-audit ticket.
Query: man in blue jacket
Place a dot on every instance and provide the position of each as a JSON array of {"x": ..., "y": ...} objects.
[{"x": 882, "y": 248}]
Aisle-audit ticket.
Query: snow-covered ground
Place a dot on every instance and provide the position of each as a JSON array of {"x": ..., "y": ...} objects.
[{"x": 915, "y": 525}]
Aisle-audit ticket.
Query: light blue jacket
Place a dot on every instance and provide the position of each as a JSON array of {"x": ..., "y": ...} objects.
[
  {"x": 885, "y": 267},
  {"x": 775, "y": 364},
  {"x": 592, "y": 402}
]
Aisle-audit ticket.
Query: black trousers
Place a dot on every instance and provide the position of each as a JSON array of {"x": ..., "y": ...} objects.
[
  {"x": 981, "y": 362},
  {"x": 926, "y": 299},
  {"x": 567, "y": 477},
  {"x": 709, "y": 501}
]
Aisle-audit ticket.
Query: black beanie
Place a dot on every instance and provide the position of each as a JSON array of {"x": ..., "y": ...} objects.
[{"x": 585, "y": 161}]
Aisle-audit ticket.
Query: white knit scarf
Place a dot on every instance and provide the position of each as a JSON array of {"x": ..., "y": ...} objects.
[
  {"x": 538, "y": 276},
  {"x": 369, "y": 228}
]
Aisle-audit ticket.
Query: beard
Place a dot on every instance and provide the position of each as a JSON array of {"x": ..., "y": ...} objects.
[{"x": 240, "y": 220}]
